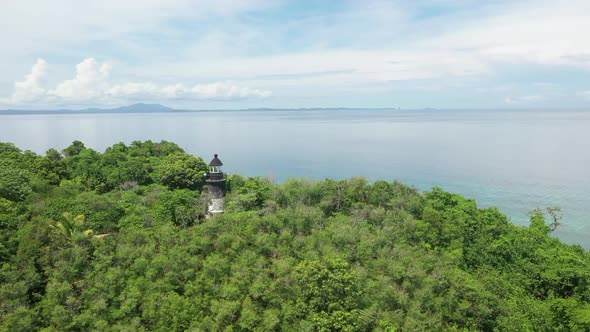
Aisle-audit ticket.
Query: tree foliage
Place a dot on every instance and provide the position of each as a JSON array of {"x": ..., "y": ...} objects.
[
  {"x": 15, "y": 183},
  {"x": 70, "y": 227},
  {"x": 332, "y": 255},
  {"x": 183, "y": 171}
]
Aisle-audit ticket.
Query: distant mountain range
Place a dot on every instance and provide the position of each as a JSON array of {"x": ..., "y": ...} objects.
[
  {"x": 157, "y": 108},
  {"x": 135, "y": 108}
]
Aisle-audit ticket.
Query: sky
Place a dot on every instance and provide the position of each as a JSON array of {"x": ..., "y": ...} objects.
[{"x": 223, "y": 54}]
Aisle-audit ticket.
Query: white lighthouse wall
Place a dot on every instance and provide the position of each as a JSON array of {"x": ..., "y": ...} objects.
[{"x": 216, "y": 205}]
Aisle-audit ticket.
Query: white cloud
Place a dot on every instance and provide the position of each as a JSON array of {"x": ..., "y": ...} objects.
[
  {"x": 584, "y": 94},
  {"x": 476, "y": 43},
  {"x": 524, "y": 99},
  {"x": 134, "y": 90},
  {"x": 91, "y": 84},
  {"x": 546, "y": 85},
  {"x": 33, "y": 24},
  {"x": 31, "y": 88},
  {"x": 226, "y": 90},
  {"x": 535, "y": 32},
  {"x": 356, "y": 48},
  {"x": 211, "y": 91}
]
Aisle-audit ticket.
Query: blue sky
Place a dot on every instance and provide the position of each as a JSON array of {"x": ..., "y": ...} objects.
[{"x": 277, "y": 53}]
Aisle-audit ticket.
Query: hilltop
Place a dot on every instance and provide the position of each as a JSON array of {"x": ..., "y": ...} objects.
[{"x": 134, "y": 108}]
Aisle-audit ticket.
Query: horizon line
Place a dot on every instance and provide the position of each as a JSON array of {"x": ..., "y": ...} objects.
[{"x": 165, "y": 109}]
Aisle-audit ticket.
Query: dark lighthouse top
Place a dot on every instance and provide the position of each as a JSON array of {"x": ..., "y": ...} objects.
[
  {"x": 215, "y": 161},
  {"x": 215, "y": 173}
]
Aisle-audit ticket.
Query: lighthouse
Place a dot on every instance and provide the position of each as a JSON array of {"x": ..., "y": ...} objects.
[{"x": 216, "y": 185}]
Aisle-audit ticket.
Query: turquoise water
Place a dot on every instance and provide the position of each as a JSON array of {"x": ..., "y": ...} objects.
[{"x": 515, "y": 160}]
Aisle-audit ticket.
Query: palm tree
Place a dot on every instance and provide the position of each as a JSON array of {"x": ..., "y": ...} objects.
[{"x": 70, "y": 225}]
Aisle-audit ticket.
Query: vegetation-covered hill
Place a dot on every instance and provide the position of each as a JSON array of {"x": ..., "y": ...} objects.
[{"x": 117, "y": 241}]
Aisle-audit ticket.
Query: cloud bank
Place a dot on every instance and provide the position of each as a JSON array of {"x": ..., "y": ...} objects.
[
  {"x": 92, "y": 84},
  {"x": 368, "y": 52},
  {"x": 31, "y": 88}
]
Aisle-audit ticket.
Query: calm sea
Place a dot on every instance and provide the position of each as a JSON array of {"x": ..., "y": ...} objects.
[{"x": 515, "y": 160}]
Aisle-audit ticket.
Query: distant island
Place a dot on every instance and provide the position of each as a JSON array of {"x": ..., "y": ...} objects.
[
  {"x": 135, "y": 108},
  {"x": 158, "y": 108}
]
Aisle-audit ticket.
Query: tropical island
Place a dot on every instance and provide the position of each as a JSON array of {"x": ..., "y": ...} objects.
[{"x": 123, "y": 241}]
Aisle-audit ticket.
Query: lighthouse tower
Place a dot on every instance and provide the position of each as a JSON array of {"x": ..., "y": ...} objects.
[{"x": 216, "y": 184}]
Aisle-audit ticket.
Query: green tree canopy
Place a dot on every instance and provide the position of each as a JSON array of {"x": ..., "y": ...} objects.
[
  {"x": 182, "y": 171},
  {"x": 303, "y": 255},
  {"x": 15, "y": 183},
  {"x": 74, "y": 149}
]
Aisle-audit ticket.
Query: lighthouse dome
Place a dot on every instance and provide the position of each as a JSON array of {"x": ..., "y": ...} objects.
[{"x": 215, "y": 161}]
